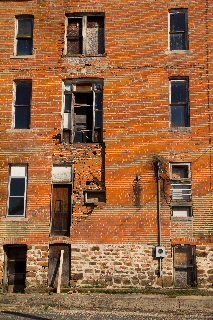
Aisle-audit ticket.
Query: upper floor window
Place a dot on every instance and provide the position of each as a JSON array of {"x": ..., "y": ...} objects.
[
  {"x": 22, "y": 106},
  {"x": 85, "y": 34},
  {"x": 83, "y": 111},
  {"x": 179, "y": 102},
  {"x": 24, "y": 35},
  {"x": 17, "y": 190},
  {"x": 178, "y": 22}
]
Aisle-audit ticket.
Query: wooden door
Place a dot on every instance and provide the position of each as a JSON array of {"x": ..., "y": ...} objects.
[
  {"x": 54, "y": 262},
  {"x": 61, "y": 210}
]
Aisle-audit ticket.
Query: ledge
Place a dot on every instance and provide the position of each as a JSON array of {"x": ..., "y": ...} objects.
[
  {"x": 181, "y": 218},
  {"x": 83, "y": 55},
  {"x": 178, "y": 51},
  {"x": 23, "y": 57},
  {"x": 10, "y": 218},
  {"x": 182, "y": 129}
]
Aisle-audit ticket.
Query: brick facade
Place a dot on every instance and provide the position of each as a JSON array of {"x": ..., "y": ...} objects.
[{"x": 112, "y": 243}]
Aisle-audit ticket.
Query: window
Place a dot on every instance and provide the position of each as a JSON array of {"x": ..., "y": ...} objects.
[
  {"x": 17, "y": 190},
  {"x": 82, "y": 118},
  {"x": 178, "y": 21},
  {"x": 95, "y": 196},
  {"x": 184, "y": 265},
  {"x": 85, "y": 34},
  {"x": 179, "y": 102},
  {"x": 24, "y": 35},
  {"x": 23, "y": 94},
  {"x": 61, "y": 201},
  {"x": 181, "y": 189}
]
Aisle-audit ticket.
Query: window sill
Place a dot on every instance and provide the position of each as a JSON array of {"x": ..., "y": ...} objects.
[
  {"x": 178, "y": 51},
  {"x": 11, "y": 218},
  {"x": 19, "y": 130},
  {"x": 181, "y": 218},
  {"x": 23, "y": 57},
  {"x": 185, "y": 129},
  {"x": 84, "y": 55}
]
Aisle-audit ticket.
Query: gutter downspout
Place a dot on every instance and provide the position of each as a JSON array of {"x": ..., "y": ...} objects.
[{"x": 159, "y": 216}]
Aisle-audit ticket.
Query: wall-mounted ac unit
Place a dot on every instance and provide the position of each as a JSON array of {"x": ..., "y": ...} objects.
[{"x": 160, "y": 252}]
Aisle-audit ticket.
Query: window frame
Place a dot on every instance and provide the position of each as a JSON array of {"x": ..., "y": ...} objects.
[
  {"x": 84, "y": 16},
  {"x": 184, "y": 32},
  {"x": 17, "y": 37},
  {"x": 24, "y": 196},
  {"x": 185, "y": 104},
  {"x": 177, "y": 199},
  {"x": 71, "y": 114},
  {"x": 15, "y": 105}
]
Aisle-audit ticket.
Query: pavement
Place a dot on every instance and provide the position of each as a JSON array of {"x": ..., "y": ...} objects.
[{"x": 199, "y": 306}]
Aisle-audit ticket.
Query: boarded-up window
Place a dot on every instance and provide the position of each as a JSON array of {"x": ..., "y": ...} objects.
[
  {"x": 54, "y": 263},
  {"x": 184, "y": 265},
  {"x": 85, "y": 34},
  {"x": 15, "y": 268}
]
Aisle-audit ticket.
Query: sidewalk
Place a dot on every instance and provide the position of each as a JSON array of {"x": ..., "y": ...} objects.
[{"x": 106, "y": 302}]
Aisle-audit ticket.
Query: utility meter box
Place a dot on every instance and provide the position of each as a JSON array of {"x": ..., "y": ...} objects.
[{"x": 160, "y": 252}]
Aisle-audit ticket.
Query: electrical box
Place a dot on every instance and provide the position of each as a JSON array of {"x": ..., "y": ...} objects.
[{"x": 160, "y": 252}]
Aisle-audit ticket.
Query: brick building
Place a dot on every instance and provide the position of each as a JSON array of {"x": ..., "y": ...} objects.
[{"x": 106, "y": 143}]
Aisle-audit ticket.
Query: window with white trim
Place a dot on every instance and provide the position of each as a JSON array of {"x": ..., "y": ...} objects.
[
  {"x": 178, "y": 29},
  {"x": 24, "y": 35},
  {"x": 85, "y": 34},
  {"x": 179, "y": 102},
  {"x": 17, "y": 190},
  {"x": 83, "y": 111},
  {"x": 181, "y": 189}
]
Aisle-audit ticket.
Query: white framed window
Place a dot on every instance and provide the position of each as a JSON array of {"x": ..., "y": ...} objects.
[
  {"x": 178, "y": 29},
  {"x": 95, "y": 196},
  {"x": 181, "y": 189},
  {"x": 85, "y": 34},
  {"x": 17, "y": 190},
  {"x": 83, "y": 111},
  {"x": 24, "y": 35}
]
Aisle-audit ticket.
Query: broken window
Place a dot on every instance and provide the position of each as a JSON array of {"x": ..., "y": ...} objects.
[
  {"x": 184, "y": 265},
  {"x": 24, "y": 35},
  {"x": 17, "y": 190},
  {"x": 178, "y": 20},
  {"x": 181, "y": 187},
  {"x": 15, "y": 268},
  {"x": 95, "y": 196},
  {"x": 61, "y": 201},
  {"x": 56, "y": 251},
  {"x": 179, "y": 102},
  {"x": 23, "y": 94},
  {"x": 83, "y": 111},
  {"x": 85, "y": 34}
]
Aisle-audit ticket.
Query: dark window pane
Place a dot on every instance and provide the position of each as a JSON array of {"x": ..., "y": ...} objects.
[
  {"x": 179, "y": 116},
  {"x": 74, "y": 28},
  {"x": 16, "y": 206},
  {"x": 98, "y": 119},
  {"x": 68, "y": 101},
  {"x": 17, "y": 186},
  {"x": 25, "y": 28},
  {"x": 74, "y": 46},
  {"x": 23, "y": 93},
  {"x": 178, "y": 22},
  {"x": 24, "y": 47},
  {"x": 22, "y": 117},
  {"x": 178, "y": 41},
  {"x": 99, "y": 100},
  {"x": 179, "y": 92}
]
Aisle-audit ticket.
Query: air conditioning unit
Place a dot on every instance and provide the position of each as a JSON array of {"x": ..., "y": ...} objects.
[{"x": 160, "y": 252}]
